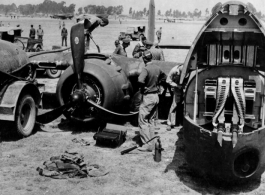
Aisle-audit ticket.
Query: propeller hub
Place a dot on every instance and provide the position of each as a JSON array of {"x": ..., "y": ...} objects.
[{"x": 78, "y": 97}]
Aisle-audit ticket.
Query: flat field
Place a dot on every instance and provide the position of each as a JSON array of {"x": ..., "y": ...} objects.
[{"x": 134, "y": 173}]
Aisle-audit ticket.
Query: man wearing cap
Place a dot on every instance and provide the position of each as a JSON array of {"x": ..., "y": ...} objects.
[
  {"x": 118, "y": 47},
  {"x": 149, "y": 80},
  {"x": 122, "y": 50},
  {"x": 156, "y": 53},
  {"x": 64, "y": 35},
  {"x": 139, "y": 48},
  {"x": 176, "y": 107}
]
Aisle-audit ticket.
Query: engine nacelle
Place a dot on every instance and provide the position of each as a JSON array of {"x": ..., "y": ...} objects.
[{"x": 106, "y": 84}]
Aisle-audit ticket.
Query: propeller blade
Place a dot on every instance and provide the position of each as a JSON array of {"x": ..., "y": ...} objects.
[
  {"x": 52, "y": 115},
  {"x": 78, "y": 50}
]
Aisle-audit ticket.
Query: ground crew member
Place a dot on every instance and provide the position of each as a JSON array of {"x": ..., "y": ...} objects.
[
  {"x": 64, "y": 35},
  {"x": 40, "y": 32},
  {"x": 149, "y": 80},
  {"x": 176, "y": 107},
  {"x": 118, "y": 47},
  {"x": 94, "y": 22},
  {"x": 32, "y": 32},
  {"x": 122, "y": 50},
  {"x": 156, "y": 53},
  {"x": 139, "y": 48},
  {"x": 159, "y": 34}
]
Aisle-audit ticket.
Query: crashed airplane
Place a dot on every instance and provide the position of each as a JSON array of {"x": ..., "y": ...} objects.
[{"x": 224, "y": 113}]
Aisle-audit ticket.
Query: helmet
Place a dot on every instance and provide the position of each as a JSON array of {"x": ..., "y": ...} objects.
[{"x": 147, "y": 55}]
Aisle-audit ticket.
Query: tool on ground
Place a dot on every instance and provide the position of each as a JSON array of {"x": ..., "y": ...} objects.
[
  {"x": 158, "y": 150},
  {"x": 137, "y": 146}
]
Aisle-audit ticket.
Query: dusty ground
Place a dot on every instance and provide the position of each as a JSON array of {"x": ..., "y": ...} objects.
[{"x": 133, "y": 173}]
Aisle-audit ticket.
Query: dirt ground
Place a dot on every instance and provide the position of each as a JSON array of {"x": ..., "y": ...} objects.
[{"x": 133, "y": 173}]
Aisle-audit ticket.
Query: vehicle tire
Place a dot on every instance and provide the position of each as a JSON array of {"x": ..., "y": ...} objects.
[
  {"x": 53, "y": 73},
  {"x": 38, "y": 49},
  {"x": 25, "y": 115},
  {"x": 19, "y": 43}
]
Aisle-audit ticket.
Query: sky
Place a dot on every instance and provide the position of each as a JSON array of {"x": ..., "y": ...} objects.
[{"x": 163, "y": 5}]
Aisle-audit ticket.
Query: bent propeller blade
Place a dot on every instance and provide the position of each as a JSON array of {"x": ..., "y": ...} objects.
[{"x": 78, "y": 50}]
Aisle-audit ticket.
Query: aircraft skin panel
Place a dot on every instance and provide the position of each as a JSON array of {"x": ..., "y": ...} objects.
[{"x": 239, "y": 20}]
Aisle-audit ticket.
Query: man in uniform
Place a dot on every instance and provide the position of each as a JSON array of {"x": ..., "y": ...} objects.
[
  {"x": 139, "y": 48},
  {"x": 149, "y": 80},
  {"x": 122, "y": 50},
  {"x": 176, "y": 107},
  {"x": 159, "y": 34},
  {"x": 94, "y": 22},
  {"x": 64, "y": 35},
  {"x": 40, "y": 32},
  {"x": 32, "y": 32},
  {"x": 118, "y": 47},
  {"x": 158, "y": 54}
]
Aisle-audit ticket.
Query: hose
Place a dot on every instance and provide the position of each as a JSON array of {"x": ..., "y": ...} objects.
[
  {"x": 45, "y": 52},
  {"x": 222, "y": 95},
  {"x": 239, "y": 96}
]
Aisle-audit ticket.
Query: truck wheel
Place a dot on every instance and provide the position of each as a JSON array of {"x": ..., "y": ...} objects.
[
  {"x": 53, "y": 73},
  {"x": 25, "y": 116}
]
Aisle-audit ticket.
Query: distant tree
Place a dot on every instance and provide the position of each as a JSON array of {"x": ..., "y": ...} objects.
[
  {"x": 147, "y": 13},
  {"x": 80, "y": 10},
  {"x": 130, "y": 11},
  {"x": 159, "y": 12},
  {"x": 86, "y": 9},
  {"x": 206, "y": 12},
  {"x": 144, "y": 12},
  {"x": 251, "y": 7}
]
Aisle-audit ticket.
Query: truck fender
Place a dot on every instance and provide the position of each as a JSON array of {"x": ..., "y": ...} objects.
[{"x": 11, "y": 96}]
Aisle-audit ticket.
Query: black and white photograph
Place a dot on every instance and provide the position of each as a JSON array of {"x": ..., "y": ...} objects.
[{"x": 132, "y": 97}]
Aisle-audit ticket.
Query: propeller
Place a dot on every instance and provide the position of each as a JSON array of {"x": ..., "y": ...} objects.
[
  {"x": 77, "y": 39},
  {"x": 78, "y": 97}
]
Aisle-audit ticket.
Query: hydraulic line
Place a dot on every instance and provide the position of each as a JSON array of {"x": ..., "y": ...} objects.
[
  {"x": 239, "y": 96},
  {"x": 222, "y": 95}
]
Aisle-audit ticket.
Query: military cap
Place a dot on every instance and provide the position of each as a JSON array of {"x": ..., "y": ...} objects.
[
  {"x": 147, "y": 55},
  {"x": 126, "y": 40},
  {"x": 148, "y": 43}
]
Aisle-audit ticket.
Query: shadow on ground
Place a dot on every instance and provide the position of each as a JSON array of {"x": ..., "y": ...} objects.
[{"x": 200, "y": 183}]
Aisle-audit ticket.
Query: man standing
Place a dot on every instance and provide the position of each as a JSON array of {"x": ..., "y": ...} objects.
[
  {"x": 176, "y": 107},
  {"x": 159, "y": 34},
  {"x": 156, "y": 53},
  {"x": 139, "y": 48},
  {"x": 32, "y": 32},
  {"x": 64, "y": 35},
  {"x": 40, "y": 32},
  {"x": 149, "y": 80}
]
